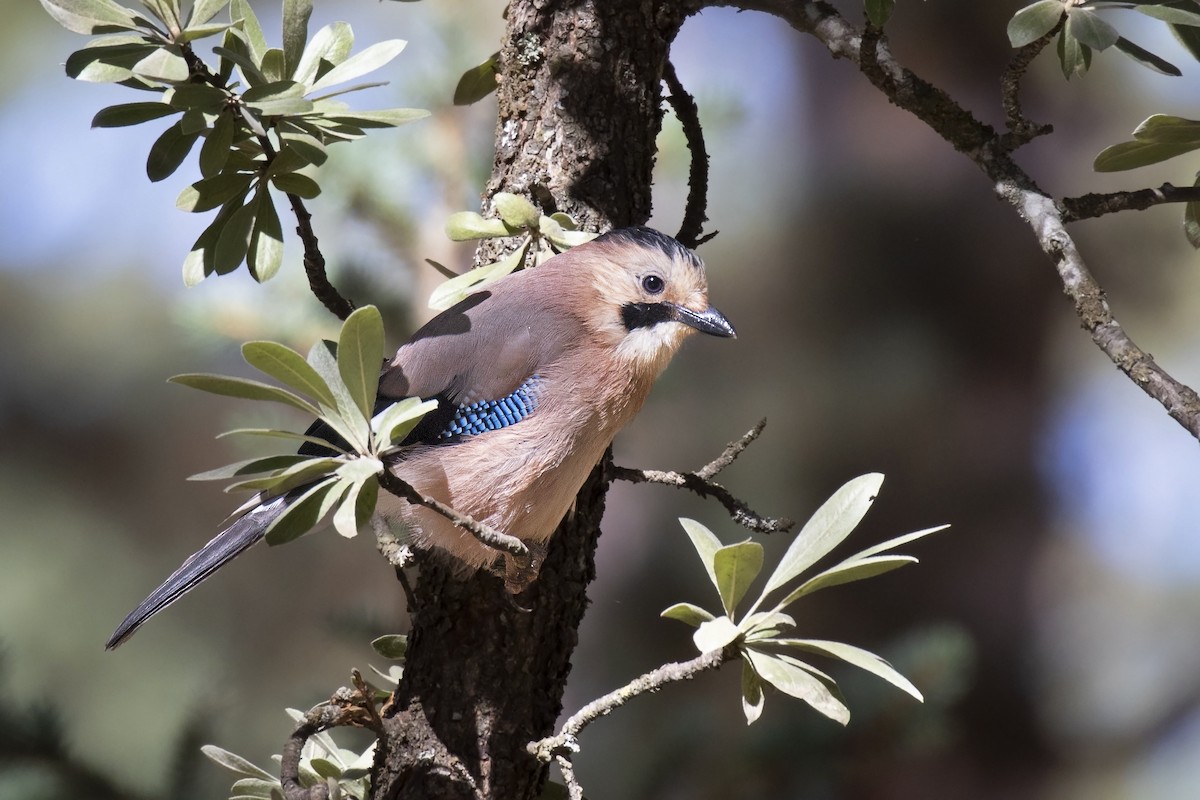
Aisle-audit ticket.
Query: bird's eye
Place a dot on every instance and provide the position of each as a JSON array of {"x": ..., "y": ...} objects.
[{"x": 653, "y": 284}]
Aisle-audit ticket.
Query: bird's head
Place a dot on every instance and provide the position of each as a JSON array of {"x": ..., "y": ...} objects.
[{"x": 652, "y": 295}]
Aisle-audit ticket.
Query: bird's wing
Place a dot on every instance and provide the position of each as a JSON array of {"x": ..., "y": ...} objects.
[{"x": 481, "y": 355}]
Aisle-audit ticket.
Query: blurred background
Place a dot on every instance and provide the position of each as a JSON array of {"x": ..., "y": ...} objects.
[{"x": 892, "y": 316}]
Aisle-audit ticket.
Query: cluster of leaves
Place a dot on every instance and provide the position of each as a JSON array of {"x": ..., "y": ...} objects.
[
  {"x": 542, "y": 237},
  {"x": 345, "y": 773},
  {"x": 1082, "y": 30},
  {"x": 337, "y": 386},
  {"x": 260, "y": 131},
  {"x": 769, "y": 653}
]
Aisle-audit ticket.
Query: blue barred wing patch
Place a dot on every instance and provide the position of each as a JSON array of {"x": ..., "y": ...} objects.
[{"x": 488, "y": 415}]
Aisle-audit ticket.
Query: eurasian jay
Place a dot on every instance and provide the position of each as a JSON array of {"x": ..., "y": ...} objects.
[{"x": 534, "y": 375}]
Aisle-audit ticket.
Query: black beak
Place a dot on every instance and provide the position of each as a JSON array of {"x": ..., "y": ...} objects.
[{"x": 709, "y": 321}]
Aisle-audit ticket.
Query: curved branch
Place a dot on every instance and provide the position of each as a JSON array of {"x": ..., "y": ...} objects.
[
  {"x": 691, "y": 230},
  {"x": 347, "y": 708},
  {"x": 992, "y": 154},
  {"x": 702, "y": 484}
]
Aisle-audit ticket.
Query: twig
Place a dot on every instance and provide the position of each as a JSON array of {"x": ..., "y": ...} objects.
[
  {"x": 695, "y": 211},
  {"x": 574, "y": 790},
  {"x": 702, "y": 484},
  {"x": 484, "y": 533},
  {"x": 346, "y": 708},
  {"x": 991, "y": 154},
  {"x": 564, "y": 743},
  {"x": 1089, "y": 206},
  {"x": 1021, "y": 130}
]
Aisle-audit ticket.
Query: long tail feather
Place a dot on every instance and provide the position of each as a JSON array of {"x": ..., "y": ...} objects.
[{"x": 227, "y": 545}]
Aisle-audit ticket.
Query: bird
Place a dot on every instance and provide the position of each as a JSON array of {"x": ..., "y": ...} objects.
[{"x": 534, "y": 374}]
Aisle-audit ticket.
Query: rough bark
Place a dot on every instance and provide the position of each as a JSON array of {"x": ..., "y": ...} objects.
[{"x": 579, "y": 110}]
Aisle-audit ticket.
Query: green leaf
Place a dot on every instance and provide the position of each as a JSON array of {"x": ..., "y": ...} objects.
[
  {"x": 455, "y": 289},
  {"x": 197, "y": 96},
  {"x": 299, "y": 474},
  {"x": 1169, "y": 13},
  {"x": 1189, "y": 37},
  {"x": 357, "y": 506},
  {"x": 304, "y": 146},
  {"x": 688, "y": 614},
  {"x": 248, "y": 788},
  {"x": 297, "y": 184},
  {"x": 207, "y": 194},
  {"x": 234, "y": 240},
  {"x": 850, "y": 570},
  {"x": 1034, "y": 21},
  {"x": 736, "y": 566},
  {"x": 131, "y": 114},
  {"x": 246, "y": 389},
  {"x": 214, "y": 153},
  {"x": 204, "y": 10},
  {"x": 1191, "y": 220},
  {"x": 250, "y": 71},
  {"x": 344, "y": 417},
  {"x": 234, "y": 763},
  {"x": 360, "y": 354},
  {"x": 168, "y": 152},
  {"x": 1146, "y": 58},
  {"x": 1168, "y": 129},
  {"x": 789, "y": 678},
  {"x": 289, "y": 435},
  {"x": 879, "y": 11},
  {"x": 1130, "y": 155},
  {"x": 562, "y": 238},
  {"x": 89, "y": 16},
  {"x": 197, "y": 32},
  {"x": 706, "y": 545},
  {"x": 386, "y": 118},
  {"x": 167, "y": 11},
  {"x": 765, "y": 624},
  {"x": 832, "y": 523},
  {"x": 477, "y": 82},
  {"x": 393, "y": 646},
  {"x": 109, "y": 62},
  {"x": 397, "y": 420},
  {"x": 278, "y": 98},
  {"x": 201, "y": 261},
  {"x": 516, "y": 212},
  {"x": 466, "y": 225},
  {"x": 1074, "y": 56},
  {"x": 240, "y": 10},
  {"x": 265, "y": 253},
  {"x": 272, "y": 65},
  {"x": 289, "y": 368},
  {"x": 863, "y": 659},
  {"x": 753, "y": 699},
  {"x": 295, "y": 32},
  {"x": 253, "y": 466},
  {"x": 165, "y": 65},
  {"x": 331, "y": 44},
  {"x": 715, "y": 634},
  {"x": 1090, "y": 29},
  {"x": 899, "y": 541},
  {"x": 301, "y": 516},
  {"x": 358, "y": 65}
]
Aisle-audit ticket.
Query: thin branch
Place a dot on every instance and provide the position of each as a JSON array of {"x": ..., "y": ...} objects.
[
  {"x": 574, "y": 790},
  {"x": 564, "y": 743},
  {"x": 1021, "y": 130},
  {"x": 991, "y": 153},
  {"x": 484, "y": 533},
  {"x": 702, "y": 484},
  {"x": 695, "y": 211},
  {"x": 1089, "y": 206},
  {"x": 346, "y": 708}
]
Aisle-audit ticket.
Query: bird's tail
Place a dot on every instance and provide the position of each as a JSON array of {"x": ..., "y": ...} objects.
[{"x": 227, "y": 545}]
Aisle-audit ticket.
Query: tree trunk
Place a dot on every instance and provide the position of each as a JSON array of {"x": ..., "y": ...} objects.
[{"x": 579, "y": 110}]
